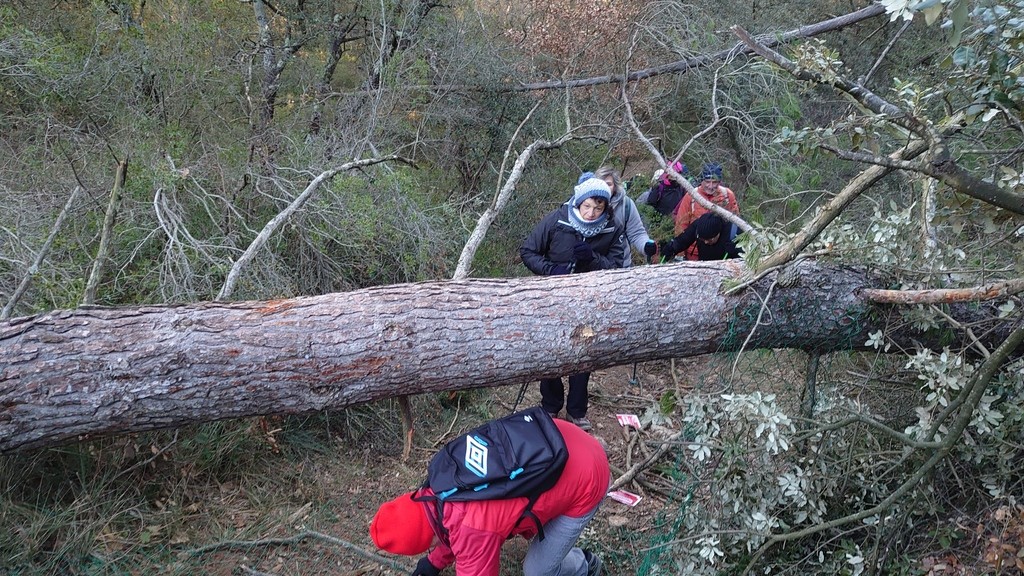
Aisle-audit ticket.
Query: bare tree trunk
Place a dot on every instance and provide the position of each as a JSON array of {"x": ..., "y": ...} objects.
[
  {"x": 103, "y": 253},
  {"x": 272, "y": 68},
  {"x": 274, "y": 62},
  {"x": 136, "y": 32},
  {"x": 71, "y": 375},
  {"x": 338, "y": 36},
  {"x": 26, "y": 281}
]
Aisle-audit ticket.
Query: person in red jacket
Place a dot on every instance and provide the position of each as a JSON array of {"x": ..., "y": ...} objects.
[
  {"x": 712, "y": 190},
  {"x": 476, "y": 529}
]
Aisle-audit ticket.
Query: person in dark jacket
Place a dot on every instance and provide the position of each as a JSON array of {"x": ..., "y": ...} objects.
[
  {"x": 626, "y": 214},
  {"x": 477, "y": 529},
  {"x": 579, "y": 236},
  {"x": 665, "y": 193},
  {"x": 710, "y": 233}
]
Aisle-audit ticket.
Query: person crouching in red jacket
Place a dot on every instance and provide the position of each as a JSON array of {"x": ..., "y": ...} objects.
[{"x": 476, "y": 529}]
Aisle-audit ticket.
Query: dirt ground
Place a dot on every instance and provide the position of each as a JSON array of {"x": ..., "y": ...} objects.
[
  {"x": 328, "y": 534},
  {"x": 307, "y": 508}
]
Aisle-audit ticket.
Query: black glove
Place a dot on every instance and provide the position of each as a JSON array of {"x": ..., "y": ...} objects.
[
  {"x": 558, "y": 269},
  {"x": 650, "y": 248},
  {"x": 667, "y": 250},
  {"x": 583, "y": 253},
  {"x": 425, "y": 568}
]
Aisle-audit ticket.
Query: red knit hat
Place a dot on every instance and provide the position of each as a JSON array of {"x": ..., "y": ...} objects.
[{"x": 401, "y": 526}]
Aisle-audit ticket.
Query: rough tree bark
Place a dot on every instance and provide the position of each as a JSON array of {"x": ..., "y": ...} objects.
[{"x": 70, "y": 375}]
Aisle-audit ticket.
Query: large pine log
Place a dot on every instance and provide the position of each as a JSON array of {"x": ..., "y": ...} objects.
[{"x": 70, "y": 375}]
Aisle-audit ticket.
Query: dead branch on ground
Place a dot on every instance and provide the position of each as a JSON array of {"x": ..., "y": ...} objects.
[
  {"x": 298, "y": 539},
  {"x": 647, "y": 463}
]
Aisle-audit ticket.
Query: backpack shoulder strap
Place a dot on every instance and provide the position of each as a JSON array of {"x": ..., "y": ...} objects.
[
  {"x": 435, "y": 514},
  {"x": 528, "y": 513}
]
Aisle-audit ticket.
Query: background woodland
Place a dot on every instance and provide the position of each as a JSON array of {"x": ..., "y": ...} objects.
[{"x": 183, "y": 151}]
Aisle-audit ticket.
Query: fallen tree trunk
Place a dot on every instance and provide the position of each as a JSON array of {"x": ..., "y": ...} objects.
[{"x": 70, "y": 375}]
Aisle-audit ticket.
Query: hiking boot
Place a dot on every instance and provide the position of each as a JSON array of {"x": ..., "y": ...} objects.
[
  {"x": 583, "y": 423},
  {"x": 593, "y": 563}
]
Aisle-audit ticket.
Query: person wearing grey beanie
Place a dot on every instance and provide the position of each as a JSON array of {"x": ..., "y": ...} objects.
[{"x": 626, "y": 214}]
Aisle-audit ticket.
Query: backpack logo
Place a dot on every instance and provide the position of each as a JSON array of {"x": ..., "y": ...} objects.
[{"x": 476, "y": 455}]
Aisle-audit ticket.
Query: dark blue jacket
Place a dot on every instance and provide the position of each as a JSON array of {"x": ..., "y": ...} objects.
[
  {"x": 553, "y": 239},
  {"x": 664, "y": 197},
  {"x": 723, "y": 249}
]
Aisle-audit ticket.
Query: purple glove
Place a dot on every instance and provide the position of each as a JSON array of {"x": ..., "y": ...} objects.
[{"x": 558, "y": 269}]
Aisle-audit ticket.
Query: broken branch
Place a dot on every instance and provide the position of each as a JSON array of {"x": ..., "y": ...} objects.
[{"x": 945, "y": 295}]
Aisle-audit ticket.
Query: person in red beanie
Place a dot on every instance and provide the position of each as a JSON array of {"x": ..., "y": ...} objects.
[{"x": 476, "y": 529}]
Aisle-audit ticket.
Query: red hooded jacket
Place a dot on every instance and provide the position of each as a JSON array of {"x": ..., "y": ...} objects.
[{"x": 477, "y": 529}]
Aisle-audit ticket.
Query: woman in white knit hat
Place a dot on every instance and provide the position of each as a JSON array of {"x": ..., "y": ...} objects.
[{"x": 579, "y": 236}]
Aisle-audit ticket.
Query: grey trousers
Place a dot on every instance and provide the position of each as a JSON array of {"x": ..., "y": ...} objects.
[{"x": 557, "y": 554}]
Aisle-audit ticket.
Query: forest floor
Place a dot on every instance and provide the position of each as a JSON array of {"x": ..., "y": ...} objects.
[
  {"x": 323, "y": 527},
  {"x": 277, "y": 496}
]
